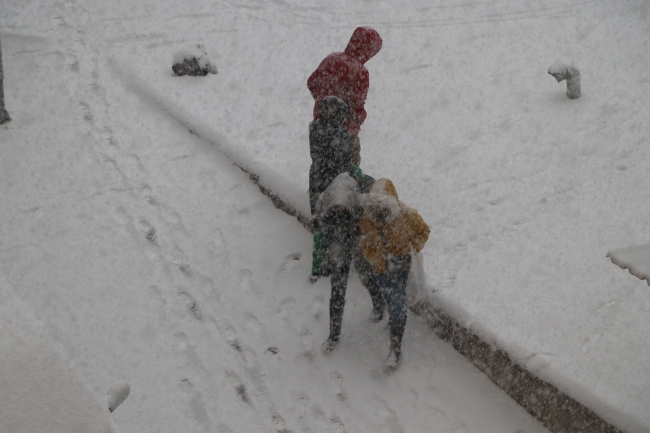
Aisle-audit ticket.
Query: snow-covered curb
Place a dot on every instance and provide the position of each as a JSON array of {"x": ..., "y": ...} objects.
[{"x": 556, "y": 410}]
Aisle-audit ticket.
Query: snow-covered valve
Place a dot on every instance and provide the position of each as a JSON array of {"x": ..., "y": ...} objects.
[
  {"x": 193, "y": 61},
  {"x": 571, "y": 74},
  {"x": 117, "y": 394}
]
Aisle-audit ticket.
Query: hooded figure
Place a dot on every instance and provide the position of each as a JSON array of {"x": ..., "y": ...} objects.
[
  {"x": 388, "y": 230},
  {"x": 336, "y": 216},
  {"x": 329, "y": 146},
  {"x": 344, "y": 75}
]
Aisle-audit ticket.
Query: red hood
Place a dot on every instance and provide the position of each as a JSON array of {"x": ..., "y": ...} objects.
[{"x": 364, "y": 44}]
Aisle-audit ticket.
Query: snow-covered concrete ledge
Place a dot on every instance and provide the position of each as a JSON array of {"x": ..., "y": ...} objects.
[{"x": 556, "y": 410}]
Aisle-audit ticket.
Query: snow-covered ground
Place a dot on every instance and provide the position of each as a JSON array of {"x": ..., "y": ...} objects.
[
  {"x": 149, "y": 257},
  {"x": 40, "y": 393}
]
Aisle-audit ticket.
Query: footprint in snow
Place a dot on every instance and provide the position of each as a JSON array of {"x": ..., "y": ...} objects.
[
  {"x": 319, "y": 420},
  {"x": 247, "y": 283},
  {"x": 252, "y": 323},
  {"x": 388, "y": 417},
  {"x": 337, "y": 387},
  {"x": 241, "y": 392},
  {"x": 231, "y": 337},
  {"x": 307, "y": 344},
  {"x": 279, "y": 424},
  {"x": 291, "y": 263},
  {"x": 286, "y": 306},
  {"x": 157, "y": 297},
  {"x": 107, "y": 135},
  {"x": 222, "y": 428},
  {"x": 191, "y": 304},
  {"x": 184, "y": 346},
  {"x": 197, "y": 411},
  {"x": 237, "y": 384},
  {"x": 84, "y": 111},
  {"x": 302, "y": 404},
  {"x": 317, "y": 307},
  {"x": 337, "y": 425},
  {"x": 148, "y": 231}
]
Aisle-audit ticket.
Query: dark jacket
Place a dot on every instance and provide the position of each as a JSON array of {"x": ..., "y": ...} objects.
[
  {"x": 344, "y": 75},
  {"x": 329, "y": 146}
]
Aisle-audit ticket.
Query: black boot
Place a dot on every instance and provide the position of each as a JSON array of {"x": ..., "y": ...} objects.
[{"x": 396, "y": 332}]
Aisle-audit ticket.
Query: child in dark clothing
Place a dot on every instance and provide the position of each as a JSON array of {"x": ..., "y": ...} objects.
[
  {"x": 336, "y": 216},
  {"x": 329, "y": 146},
  {"x": 389, "y": 231}
]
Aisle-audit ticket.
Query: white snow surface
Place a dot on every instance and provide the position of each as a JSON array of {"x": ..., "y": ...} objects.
[
  {"x": 148, "y": 257},
  {"x": 40, "y": 393}
]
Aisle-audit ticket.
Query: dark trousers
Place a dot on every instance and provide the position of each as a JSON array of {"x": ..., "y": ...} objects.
[
  {"x": 393, "y": 290},
  {"x": 340, "y": 260}
]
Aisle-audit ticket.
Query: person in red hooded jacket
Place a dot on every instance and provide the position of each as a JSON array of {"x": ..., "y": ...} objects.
[{"x": 344, "y": 75}]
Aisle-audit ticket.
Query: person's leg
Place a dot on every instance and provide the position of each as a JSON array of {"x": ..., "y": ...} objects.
[
  {"x": 319, "y": 251},
  {"x": 393, "y": 288},
  {"x": 340, "y": 268},
  {"x": 368, "y": 277}
]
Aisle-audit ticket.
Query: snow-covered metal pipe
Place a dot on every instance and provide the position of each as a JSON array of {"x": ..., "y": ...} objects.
[
  {"x": 571, "y": 74},
  {"x": 4, "y": 116},
  {"x": 117, "y": 394}
]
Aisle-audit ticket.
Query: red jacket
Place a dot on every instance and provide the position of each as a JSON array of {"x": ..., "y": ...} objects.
[{"x": 344, "y": 76}]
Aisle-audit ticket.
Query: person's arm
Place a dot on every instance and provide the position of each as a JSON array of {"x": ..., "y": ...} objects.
[
  {"x": 421, "y": 231},
  {"x": 355, "y": 151},
  {"x": 358, "y": 94},
  {"x": 314, "y": 144}
]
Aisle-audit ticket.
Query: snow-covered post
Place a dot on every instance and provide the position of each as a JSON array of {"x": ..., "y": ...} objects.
[
  {"x": 4, "y": 116},
  {"x": 569, "y": 73},
  {"x": 117, "y": 394}
]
